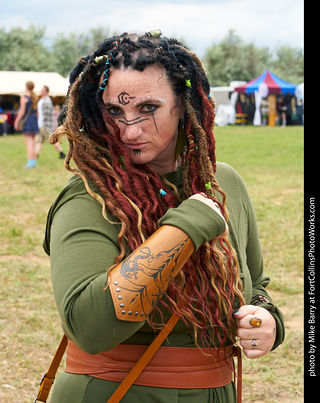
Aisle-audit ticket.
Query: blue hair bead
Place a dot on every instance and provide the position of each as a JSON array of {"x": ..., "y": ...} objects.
[
  {"x": 162, "y": 192},
  {"x": 112, "y": 55}
]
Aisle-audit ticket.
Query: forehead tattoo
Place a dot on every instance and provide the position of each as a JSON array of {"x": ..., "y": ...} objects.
[{"x": 124, "y": 98}]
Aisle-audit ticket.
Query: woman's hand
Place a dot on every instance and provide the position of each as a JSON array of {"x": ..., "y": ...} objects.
[
  {"x": 203, "y": 198},
  {"x": 22, "y": 109},
  {"x": 15, "y": 124},
  {"x": 255, "y": 340}
]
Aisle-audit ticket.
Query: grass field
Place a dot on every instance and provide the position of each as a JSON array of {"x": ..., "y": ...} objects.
[{"x": 270, "y": 160}]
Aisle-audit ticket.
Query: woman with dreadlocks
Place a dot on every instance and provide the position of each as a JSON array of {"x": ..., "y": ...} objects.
[{"x": 151, "y": 236}]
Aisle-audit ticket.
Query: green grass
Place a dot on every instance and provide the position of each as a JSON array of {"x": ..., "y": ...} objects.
[{"x": 270, "y": 161}]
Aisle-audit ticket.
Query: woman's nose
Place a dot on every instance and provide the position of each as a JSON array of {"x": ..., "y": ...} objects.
[{"x": 132, "y": 131}]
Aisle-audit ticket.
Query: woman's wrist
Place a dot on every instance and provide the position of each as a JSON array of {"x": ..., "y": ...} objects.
[{"x": 201, "y": 220}]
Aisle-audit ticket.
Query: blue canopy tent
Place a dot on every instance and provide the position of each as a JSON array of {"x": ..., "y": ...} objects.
[
  {"x": 262, "y": 86},
  {"x": 274, "y": 84}
]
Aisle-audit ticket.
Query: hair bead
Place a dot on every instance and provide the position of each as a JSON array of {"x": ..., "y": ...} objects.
[
  {"x": 154, "y": 34},
  {"x": 113, "y": 54},
  {"x": 99, "y": 59}
]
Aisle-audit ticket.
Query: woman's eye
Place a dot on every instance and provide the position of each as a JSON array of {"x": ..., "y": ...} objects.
[
  {"x": 114, "y": 111},
  {"x": 148, "y": 108}
]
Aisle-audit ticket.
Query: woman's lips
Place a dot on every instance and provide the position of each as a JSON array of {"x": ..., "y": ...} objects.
[{"x": 136, "y": 146}]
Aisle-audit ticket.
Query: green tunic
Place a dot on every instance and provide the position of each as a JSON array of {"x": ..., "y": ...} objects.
[{"x": 82, "y": 245}]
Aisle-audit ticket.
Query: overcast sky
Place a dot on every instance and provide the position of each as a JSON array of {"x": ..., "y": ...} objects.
[{"x": 201, "y": 23}]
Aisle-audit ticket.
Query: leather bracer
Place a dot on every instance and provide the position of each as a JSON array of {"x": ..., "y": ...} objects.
[{"x": 138, "y": 282}]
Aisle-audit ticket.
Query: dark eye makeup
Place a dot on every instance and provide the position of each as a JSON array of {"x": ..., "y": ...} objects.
[{"x": 146, "y": 108}]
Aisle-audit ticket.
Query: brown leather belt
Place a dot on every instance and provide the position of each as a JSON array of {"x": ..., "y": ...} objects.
[
  {"x": 170, "y": 367},
  {"x": 79, "y": 362}
]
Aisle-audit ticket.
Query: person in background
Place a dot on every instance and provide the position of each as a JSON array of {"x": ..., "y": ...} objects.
[
  {"x": 46, "y": 122},
  {"x": 283, "y": 108},
  {"x": 28, "y": 111},
  {"x": 56, "y": 113},
  {"x": 152, "y": 227},
  {"x": 3, "y": 123}
]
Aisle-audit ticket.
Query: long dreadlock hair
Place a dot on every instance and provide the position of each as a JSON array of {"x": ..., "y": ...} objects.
[{"x": 131, "y": 192}]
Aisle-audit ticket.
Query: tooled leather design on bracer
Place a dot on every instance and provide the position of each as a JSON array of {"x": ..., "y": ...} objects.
[{"x": 139, "y": 282}]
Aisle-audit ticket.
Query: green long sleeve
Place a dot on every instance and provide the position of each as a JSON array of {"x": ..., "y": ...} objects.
[{"x": 83, "y": 245}]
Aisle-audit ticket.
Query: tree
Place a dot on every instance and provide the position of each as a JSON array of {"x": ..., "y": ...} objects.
[
  {"x": 289, "y": 63},
  {"x": 231, "y": 60},
  {"x": 22, "y": 49},
  {"x": 67, "y": 50}
]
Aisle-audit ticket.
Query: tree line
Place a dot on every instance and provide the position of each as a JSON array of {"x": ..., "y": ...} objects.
[{"x": 230, "y": 59}]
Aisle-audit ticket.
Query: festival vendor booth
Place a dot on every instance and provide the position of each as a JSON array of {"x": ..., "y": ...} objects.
[
  {"x": 264, "y": 89},
  {"x": 14, "y": 82},
  {"x": 13, "y": 86}
]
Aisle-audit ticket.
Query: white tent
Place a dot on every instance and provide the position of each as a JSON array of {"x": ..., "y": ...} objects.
[{"x": 14, "y": 82}]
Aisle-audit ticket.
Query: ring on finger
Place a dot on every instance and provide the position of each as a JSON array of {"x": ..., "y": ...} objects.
[
  {"x": 254, "y": 343},
  {"x": 255, "y": 321}
]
